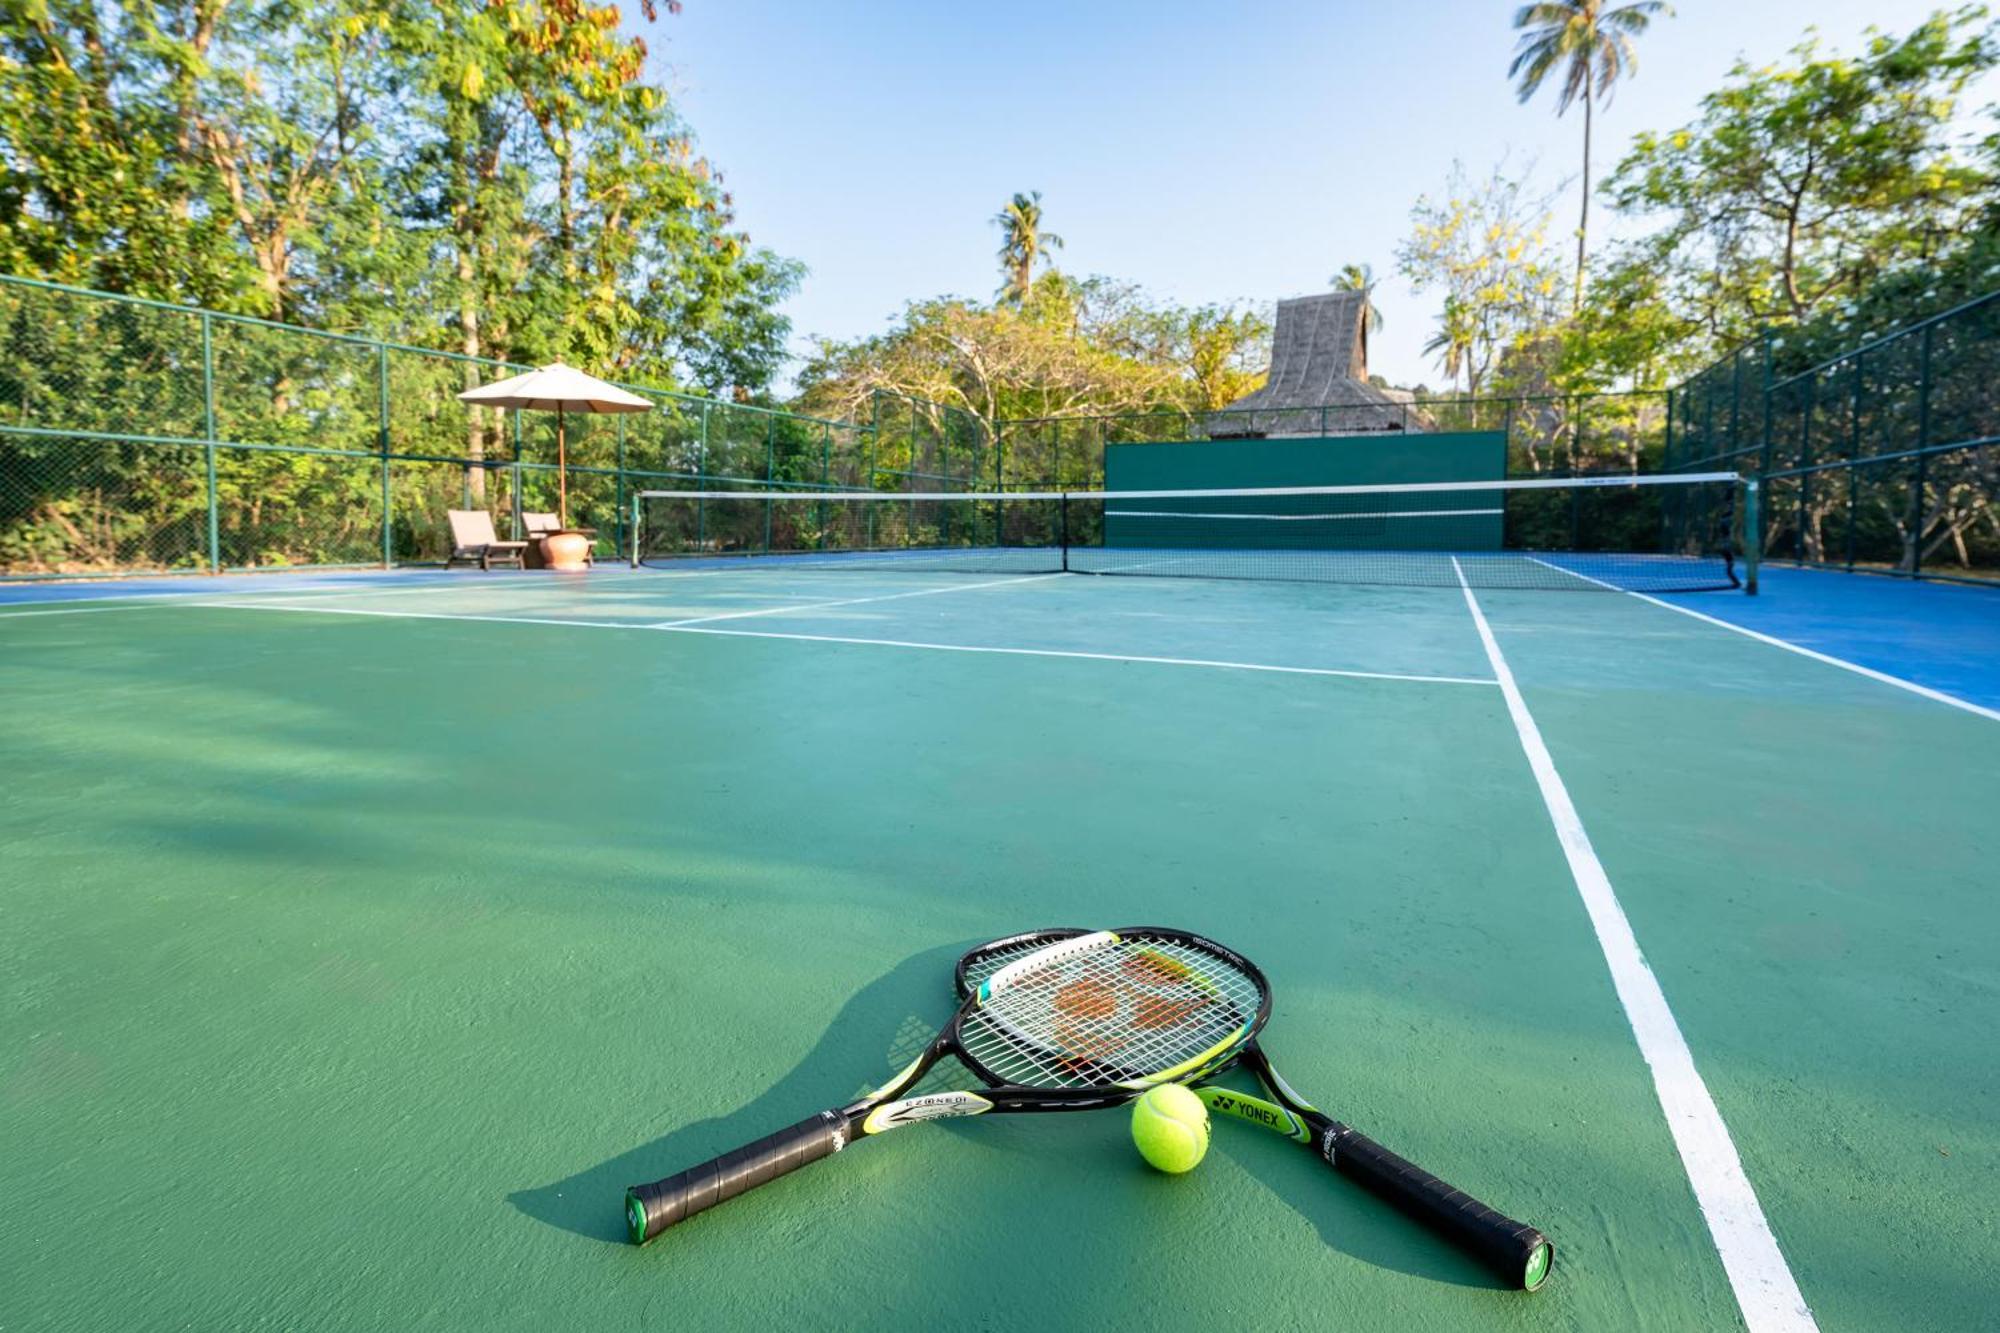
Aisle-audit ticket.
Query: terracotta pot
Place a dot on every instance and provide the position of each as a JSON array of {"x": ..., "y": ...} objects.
[{"x": 566, "y": 550}]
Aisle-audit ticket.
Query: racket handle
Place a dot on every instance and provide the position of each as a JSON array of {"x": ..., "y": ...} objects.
[
  {"x": 651, "y": 1209},
  {"x": 1514, "y": 1250}
]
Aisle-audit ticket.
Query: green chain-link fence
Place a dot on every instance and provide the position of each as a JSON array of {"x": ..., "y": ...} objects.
[
  {"x": 1884, "y": 458},
  {"x": 137, "y": 435}
]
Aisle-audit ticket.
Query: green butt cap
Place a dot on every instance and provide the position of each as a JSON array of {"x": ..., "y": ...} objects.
[
  {"x": 635, "y": 1220},
  {"x": 1537, "y": 1271}
]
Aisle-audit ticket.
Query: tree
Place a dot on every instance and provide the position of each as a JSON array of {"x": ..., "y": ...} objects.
[
  {"x": 1592, "y": 48},
  {"x": 1023, "y": 245},
  {"x": 99, "y": 182},
  {"x": 1484, "y": 247},
  {"x": 1799, "y": 185},
  {"x": 1360, "y": 278},
  {"x": 495, "y": 177},
  {"x": 1062, "y": 366}
]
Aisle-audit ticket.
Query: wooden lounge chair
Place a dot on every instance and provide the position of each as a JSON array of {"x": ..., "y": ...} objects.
[{"x": 473, "y": 538}]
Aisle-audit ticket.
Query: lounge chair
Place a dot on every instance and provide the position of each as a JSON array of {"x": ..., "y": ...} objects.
[{"x": 473, "y": 538}]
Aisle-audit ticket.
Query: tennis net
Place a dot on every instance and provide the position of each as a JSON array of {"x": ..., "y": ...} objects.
[{"x": 1642, "y": 534}]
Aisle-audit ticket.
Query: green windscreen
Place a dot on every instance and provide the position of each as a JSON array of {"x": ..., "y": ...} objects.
[{"x": 1417, "y": 521}]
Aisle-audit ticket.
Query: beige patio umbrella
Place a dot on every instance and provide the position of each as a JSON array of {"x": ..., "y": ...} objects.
[{"x": 559, "y": 389}]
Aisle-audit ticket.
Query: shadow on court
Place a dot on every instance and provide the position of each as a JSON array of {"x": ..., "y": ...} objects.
[{"x": 895, "y": 1005}]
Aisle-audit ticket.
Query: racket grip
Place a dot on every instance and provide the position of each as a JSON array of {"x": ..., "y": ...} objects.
[
  {"x": 651, "y": 1209},
  {"x": 1516, "y": 1251}
]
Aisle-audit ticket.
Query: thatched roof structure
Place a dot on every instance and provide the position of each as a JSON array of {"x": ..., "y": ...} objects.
[{"x": 1318, "y": 383}]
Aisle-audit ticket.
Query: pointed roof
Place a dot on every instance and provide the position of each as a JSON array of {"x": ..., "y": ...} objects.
[{"x": 1319, "y": 360}]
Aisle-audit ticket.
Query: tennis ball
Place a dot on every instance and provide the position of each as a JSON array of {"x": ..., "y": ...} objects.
[{"x": 1170, "y": 1127}]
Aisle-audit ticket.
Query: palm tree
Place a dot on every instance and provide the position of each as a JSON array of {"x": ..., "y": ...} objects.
[
  {"x": 1453, "y": 345},
  {"x": 1591, "y": 44},
  {"x": 1360, "y": 278},
  {"x": 1023, "y": 244}
]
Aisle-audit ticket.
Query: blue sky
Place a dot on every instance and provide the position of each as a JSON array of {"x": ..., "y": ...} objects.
[{"x": 1208, "y": 152}]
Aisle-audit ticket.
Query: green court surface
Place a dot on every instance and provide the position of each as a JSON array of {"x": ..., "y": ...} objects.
[{"x": 360, "y": 941}]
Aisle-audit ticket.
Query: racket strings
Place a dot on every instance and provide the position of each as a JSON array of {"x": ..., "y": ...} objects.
[{"x": 1128, "y": 1011}]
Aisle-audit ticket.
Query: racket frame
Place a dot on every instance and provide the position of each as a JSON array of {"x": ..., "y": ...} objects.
[
  {"x": 651, "y": 1209},
  {"x": 1514, "y": 1250}
]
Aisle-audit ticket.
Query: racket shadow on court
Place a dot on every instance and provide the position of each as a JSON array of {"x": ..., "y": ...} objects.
[
  {"x": 882, "y": 1026},
  {"x": 1348, "y": 1218}
]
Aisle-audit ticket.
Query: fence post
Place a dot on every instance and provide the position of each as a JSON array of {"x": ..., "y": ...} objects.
[
  {"x": 515, "y": 503},
  {"x": 382, "y": 442},
  {"x": 1736, "y": 402},
  {"x": 701, "y": 482},
  {"x": 208, "y": 441},
  {"x": 618, "y": 532},
  {"x": 1667, "y": 447},
  {"x": 1917, "y": 463},
  {"x": 1854, "y": 461},
  {"x": 1764, "y": 456}
]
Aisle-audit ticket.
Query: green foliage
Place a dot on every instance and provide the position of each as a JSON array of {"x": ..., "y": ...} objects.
[
  {"x": 1068, "y": 349},
  {"x": 1590, "y": 48},
  {"x": 1800, "y": 185},
  {"x": 1360, "y": 278},
  {"x": 1024, "y": 245},
  {"x": 1483, "y": 247},
  {"x": 491, "y": 176}
]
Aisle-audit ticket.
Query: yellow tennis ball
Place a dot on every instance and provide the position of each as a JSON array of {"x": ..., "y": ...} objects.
[{"x": 1170, "y": 1127}]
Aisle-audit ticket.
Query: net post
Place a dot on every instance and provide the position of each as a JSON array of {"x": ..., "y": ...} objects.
[
  {"x": 636, "y": 498},
  {"x": 1753, "y": 546},
  {"x": 1062, "y": 527}
]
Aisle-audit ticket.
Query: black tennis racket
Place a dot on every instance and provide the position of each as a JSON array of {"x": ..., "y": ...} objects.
[
  {"x": 1516, "y": 1251},
  {"x": 1078, "y": 1022}
]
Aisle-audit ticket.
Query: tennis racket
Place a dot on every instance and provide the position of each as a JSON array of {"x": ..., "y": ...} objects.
[
  {"x": 1078, "y": 1022},
  {"x": 1514, "y": 1250}
]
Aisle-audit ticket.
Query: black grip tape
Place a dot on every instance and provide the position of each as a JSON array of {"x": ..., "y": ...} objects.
[
  {"x": 1512, "y": 1249},
  {"x": 651, "y": 1209}
]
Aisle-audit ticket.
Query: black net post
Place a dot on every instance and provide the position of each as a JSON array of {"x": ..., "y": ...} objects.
[{"x": 1750, "y": 516}]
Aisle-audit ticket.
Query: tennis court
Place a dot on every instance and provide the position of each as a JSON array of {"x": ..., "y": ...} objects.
[{"x": 367, "y": 934}]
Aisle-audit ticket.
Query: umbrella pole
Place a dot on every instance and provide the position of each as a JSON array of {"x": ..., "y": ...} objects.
[{"x": 562, "y": 472}]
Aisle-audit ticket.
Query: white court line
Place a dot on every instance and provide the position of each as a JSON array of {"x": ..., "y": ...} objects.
[
  {"x": 203, "y": 586},
  {"x": 206, "y": 604},
  {"x": 1766, "y": 1292},
  {"x": 1925, "y": 691},
  {"x": 848, "y": 601},
  {"x": 1090, "y": 657},
  {"x": 69, "y": 610},
  {"x": 642, "y": 627}
]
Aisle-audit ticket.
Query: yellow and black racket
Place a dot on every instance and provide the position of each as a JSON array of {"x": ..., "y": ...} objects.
[
  {"x": 1514, "y": 1250},
  {"x": 1079, "y": 1022}
]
